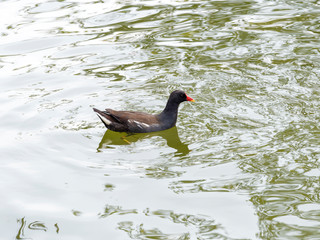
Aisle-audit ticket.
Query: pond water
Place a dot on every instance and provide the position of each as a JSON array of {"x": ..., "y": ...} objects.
[{"x": 243, "y": 161}]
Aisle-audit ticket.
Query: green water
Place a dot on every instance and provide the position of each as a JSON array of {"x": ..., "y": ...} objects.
[{"x": 243, "y": 161}]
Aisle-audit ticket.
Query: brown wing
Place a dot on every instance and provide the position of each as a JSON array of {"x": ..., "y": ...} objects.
[{"x": 124, "y": 116}]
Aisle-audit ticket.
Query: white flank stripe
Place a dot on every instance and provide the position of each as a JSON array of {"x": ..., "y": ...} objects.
[{"x": 140, "y": 124}]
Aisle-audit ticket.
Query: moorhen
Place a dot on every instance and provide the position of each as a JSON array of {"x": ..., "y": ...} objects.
[{"x": 139, "y": 122}]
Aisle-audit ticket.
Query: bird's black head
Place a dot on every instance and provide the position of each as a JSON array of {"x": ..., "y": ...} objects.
[
  {"x": 179, "y": 96},
  {"x": 170, "y": 112}
]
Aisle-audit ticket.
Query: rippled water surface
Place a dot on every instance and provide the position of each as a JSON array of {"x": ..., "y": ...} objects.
[{"x": 243, "y": 161}]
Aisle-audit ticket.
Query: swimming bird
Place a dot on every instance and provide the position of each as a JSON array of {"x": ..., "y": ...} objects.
[{"x": 140, "y": 122}]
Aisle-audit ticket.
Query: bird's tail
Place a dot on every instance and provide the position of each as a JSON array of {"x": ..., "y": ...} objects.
[{"x": 104, "y": 117}]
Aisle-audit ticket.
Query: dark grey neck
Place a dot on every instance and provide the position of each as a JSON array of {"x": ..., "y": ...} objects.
[
  {"x": 171, "y": 107},
  {"x": 169, "y": 114}
]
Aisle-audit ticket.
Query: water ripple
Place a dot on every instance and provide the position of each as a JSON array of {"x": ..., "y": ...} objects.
[{"x": 249, "y": 143}]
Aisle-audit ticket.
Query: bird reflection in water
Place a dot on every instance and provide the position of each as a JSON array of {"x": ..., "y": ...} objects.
[{"x": 170, "y": 135}]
